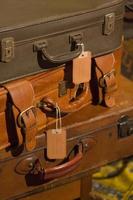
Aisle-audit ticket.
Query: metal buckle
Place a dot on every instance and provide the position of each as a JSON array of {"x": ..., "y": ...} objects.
[
  {"x": 20, "y": 121},
  {"x": 102, "y": 79}
]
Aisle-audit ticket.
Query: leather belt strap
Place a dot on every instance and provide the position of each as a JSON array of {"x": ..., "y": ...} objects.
[
  {"x": 22, "y": 95},
  {"x": 106, "y": 77}
]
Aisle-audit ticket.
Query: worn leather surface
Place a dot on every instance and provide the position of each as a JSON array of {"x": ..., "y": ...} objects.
[
  {"x": 106, "y": 71},
  {"x": 22, "y": 95}
]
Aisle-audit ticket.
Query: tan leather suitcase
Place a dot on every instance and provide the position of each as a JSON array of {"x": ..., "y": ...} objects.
[
  {"x": 95, "y": 136},
  {"x": 28, "y": 105}
]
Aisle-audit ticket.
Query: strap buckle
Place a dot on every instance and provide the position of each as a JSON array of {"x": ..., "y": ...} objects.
[
  {"x": 20, "y": 117},
  {"x": 103, "y": 78}
]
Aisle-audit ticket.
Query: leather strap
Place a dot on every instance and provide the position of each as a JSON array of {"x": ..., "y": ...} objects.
[
  {"x": 106, "y": 77},
  {"x": 22, "y": 95}
]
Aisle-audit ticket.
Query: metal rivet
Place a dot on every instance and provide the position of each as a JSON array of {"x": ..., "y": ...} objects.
[{"x": 30, "y": 165}]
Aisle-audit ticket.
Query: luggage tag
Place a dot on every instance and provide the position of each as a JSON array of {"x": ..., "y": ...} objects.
[
  {"x": 82, "y": 67},
  {"x": 56, "y": 139}
]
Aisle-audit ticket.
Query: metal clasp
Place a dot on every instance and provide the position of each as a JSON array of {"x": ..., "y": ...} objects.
[
  {"x": 62, "y": 88},
  {"x": 109, "y": 25},
  {"x": 125, "y": 127},
  {"x": 7, "y": 49},
  {"x": 102, "y": 79},
  {"x": 20, "y": 117},
  {"x": 39, "y": 45}
]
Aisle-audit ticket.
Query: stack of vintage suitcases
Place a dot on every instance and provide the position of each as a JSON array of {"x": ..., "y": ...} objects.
[{"x": 64, "y": 107}]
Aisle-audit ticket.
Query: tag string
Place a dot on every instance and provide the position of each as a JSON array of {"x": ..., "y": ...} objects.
[
  {"x": 58, "y": 117},
  {"x": 75, "y": 92}
]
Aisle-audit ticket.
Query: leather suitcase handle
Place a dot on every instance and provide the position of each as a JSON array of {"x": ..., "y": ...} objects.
[
  {"x": 32, "y": 164},
  {"x": 42, "y": 47},
  {"x": 65, "y": 168},
  {"x": 62, "y": 58},
  {"x": 78, "y": 102},
  {"x": 36, "y": 174},
  {"x": 48, "y": 104}
]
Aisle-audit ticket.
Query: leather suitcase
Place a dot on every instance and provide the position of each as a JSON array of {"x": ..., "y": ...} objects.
[
  {"x": 28, "y": 105},
  {"x": 95, "y": 136},
  {"x": 37, "y": 36}
]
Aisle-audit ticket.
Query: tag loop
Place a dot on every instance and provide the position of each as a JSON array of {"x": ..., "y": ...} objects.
[
  {"x": 58, "y": 118},
  {"x": 82, "y": 48}
]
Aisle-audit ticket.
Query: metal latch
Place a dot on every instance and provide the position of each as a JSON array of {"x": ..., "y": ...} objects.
[
  {"x": 109, "y": 25},
  {"x": 7, "y": 49},
  {"x": 39, "y": 45},
  {"x": 125, "y": 127},
  {"x": 76, "y": 38},
  {"x": 62, "y": 88}
]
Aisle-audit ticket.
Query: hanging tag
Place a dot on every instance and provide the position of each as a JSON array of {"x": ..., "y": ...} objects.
[
  {"x": 82, "y": 67},
  {"x": 56, "y": 144},
  {"x": 56, "y": 139}
]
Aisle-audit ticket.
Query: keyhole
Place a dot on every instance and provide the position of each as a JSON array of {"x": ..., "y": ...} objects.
[{"x": 9, "y": 52}]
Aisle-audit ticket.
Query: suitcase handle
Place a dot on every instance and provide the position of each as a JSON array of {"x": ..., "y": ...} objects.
[
  {"x": 78, "y": 102},
  {"x": 42, "y": 46},
  {"x": 36, "y": 174},
  {"x": 65, "y": 168},
  {"x": 49, "y": 105},
  {"x": 61, "y": 170},
  {"x": 62, "y": 58},
  {"x": 32, "y": 164}
]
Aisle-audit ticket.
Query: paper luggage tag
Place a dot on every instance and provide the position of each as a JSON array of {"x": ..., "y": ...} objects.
[
  {"x": 56, "y": 139},
  {"x": 56, "y": 144},
  {"x": 82, "y": 68}
]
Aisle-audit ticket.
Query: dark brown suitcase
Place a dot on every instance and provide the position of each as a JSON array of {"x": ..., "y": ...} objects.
[
  {"x": 37, "y": 35},
  {"x": 95, "y": 136}
]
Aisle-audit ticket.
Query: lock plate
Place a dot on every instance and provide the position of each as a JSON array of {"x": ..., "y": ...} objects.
[
  {"x": 125, "y": 127},
  {"x": 7, "y": 49},
  {"x": 109, "y": 25},
  {"x": 62, "y": 88}
]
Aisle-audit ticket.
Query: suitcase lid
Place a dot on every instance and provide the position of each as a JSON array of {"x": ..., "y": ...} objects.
[{"x": 17, "y": 13}]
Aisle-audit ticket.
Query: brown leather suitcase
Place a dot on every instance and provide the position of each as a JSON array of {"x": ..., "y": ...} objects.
[
  {"x": 38, "y": 35},
  {"x": 95, "y": 136},
  {"x": 28, "y": 105}
]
